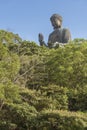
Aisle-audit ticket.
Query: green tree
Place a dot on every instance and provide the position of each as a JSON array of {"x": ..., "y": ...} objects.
[{"x": 67, "y": 66}]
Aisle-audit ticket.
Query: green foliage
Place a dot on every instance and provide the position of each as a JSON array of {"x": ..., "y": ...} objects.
[
  {"x": 9, "y": 92},
  {"x": 9, "y": 64},
  {"x": 28, "y": 48},
  {"x": 33, "y": 67},
  {"x": 9, "y": 37},
  {"x": 61, "y": 120},
  {"x": 68, "y": 65},
  {"x": 20, "y": 115},
  {"x": 49, "y": 97},
  {"x": 42, "y": 88},
  {"x": 78, "y": 99},
  {"x": 57, "y": 96},
  {"x": 9, "y": 67},
  {"x": 79, "y": 40}
]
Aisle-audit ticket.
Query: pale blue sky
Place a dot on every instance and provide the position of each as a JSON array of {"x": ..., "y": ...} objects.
[{"x": 29, "y": 17}]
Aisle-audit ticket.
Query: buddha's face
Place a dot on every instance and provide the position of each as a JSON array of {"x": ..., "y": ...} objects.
[{"x": 56, "y": 23}]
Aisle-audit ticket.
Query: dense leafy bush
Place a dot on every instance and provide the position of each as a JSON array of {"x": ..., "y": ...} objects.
[
  {"x": 78, "y": 99},
  {"x": 61, "y": 120}
]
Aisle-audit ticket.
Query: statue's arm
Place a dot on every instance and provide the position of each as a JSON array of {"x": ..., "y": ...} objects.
[
  {"x": 66, "y": 36},
  {"x": 41, "y": 39}
]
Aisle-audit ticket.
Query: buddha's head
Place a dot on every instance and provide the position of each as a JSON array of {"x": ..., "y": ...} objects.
[{"x": 56, "y": 21}]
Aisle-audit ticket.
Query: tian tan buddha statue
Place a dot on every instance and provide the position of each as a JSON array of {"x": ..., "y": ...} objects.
[{"x": 58, "y": 36}]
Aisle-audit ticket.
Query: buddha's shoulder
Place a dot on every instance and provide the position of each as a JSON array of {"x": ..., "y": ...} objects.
[{"x": 66, "y": 30}]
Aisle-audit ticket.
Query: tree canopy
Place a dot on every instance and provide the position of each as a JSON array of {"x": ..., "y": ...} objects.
[{"x": 42, "y": 88}]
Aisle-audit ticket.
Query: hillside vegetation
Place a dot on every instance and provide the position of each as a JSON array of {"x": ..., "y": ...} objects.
[{"x": 42, "y": 88}]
